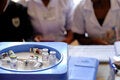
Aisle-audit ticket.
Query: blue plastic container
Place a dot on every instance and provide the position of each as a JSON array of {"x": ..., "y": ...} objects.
[{"x": 58, "y": 71}]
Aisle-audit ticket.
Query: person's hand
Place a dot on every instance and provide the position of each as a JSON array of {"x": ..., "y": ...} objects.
[
  {"x": 37, "y": 38},
  {"x": 99, "y": 41},
  {"x": 69, "y": 37},
  {"x": 68, "y": 40}
]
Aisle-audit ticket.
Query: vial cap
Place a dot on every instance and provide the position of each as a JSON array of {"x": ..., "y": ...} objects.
[
  {"x": 45, "y": 49},
  {"x": 13, "y": 56},
  {"x": 53, "y": 52}
]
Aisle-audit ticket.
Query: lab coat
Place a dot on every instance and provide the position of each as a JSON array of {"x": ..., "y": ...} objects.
[
  {"x": 51, "y": 22},
  {"x": 85, "y": 20}
]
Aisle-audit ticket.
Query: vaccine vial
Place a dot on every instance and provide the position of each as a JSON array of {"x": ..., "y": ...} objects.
[
  {"x": 30, "y": 62},
  {"x": 10, "y": 53},
  {"x": 4, "y": 55},
  {"x": 52, "y": 57},
  {"x": 45, "y": 54},
  {"x": 37, "y": 65},
  {"x": 13, "y": 61}
]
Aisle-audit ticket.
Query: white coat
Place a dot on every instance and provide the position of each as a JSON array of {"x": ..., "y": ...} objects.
[
  {"x": 85, "y": 20},
  {"x": 52, "y": 21}
]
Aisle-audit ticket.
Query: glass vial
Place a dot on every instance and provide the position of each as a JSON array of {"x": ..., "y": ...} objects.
[
  {"x": 13, "y": 61},
  {"x": 45, "y": 54},
  {"x": 52, "y": 57}
]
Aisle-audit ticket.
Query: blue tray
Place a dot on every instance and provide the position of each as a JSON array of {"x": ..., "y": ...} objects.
[{"x": 55, "y": 72}]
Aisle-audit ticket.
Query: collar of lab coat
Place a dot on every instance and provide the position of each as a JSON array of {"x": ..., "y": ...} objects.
[
  {"x": 89, "y": 5},
  {"x": 6, "y": 5}
]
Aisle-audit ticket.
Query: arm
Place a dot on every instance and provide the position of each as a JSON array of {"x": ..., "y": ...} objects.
[
  {"x": 69, "y": 37},
  {"x": 69, "y": 11},
  {"x": 85, "y": 40},
  {"x": 37, "y": 38}
]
